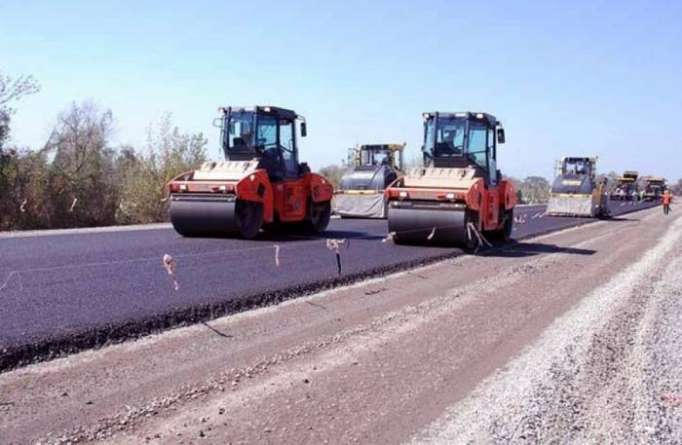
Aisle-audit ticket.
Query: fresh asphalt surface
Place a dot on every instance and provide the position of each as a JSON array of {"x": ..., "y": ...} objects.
[{"x": 68, "y": 291}]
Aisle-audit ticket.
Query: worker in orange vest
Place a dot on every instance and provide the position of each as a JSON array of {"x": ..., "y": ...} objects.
[{"x": 667, "y": 199}]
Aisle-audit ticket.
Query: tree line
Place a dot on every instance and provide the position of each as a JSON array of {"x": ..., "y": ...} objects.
[{"x": 78, "y": 178}]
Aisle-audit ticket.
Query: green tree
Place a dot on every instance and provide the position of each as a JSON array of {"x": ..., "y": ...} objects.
[
  {"x": 27, "y": 206},
  {"x": 143, "y": 176},
  {"x": 81, "y": 187},
  {"x": 13, "y": 162},
  {"x": 535, "y": 189}
]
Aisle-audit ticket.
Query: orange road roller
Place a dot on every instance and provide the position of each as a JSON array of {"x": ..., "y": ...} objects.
[
  {"x": 260, "y": 185},
  {"x": 458, "y": 196}
]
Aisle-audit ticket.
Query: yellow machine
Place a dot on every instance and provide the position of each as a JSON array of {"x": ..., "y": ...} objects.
[
  {"x": 626, "y": 187},
  {"x": 373, "y": 168},
  {"x": 653, "y": 189},
  {"x": 576, "y": 190}
]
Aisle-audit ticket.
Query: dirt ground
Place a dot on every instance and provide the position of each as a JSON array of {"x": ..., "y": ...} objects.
[{"x": 571, "y": 337}]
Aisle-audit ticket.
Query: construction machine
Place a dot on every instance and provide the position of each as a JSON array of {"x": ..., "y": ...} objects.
[
  {"x": 361, "y": 191},
  {"x": 576, "y": 190},
  {"x": 653, "y": 188},
  {"x": 260, "y": 184},
  {"x": 626, "y": 187},
  {"x": 459, "y": 195}
]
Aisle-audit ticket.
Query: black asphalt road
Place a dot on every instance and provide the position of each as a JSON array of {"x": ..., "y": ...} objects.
[{"x": 65, "y": 292}]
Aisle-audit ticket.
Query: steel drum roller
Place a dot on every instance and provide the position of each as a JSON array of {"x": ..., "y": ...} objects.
[
  {"x": 415, "y": 225},
  {"x": 198, "y": 215}
]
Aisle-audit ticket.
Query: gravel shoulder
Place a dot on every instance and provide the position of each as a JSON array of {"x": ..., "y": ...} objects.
[
  {"x": 607, "y": 371},
  {"x": 571, "y": 327}
]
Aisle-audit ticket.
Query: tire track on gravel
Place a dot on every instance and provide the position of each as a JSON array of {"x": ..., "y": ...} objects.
[{"x": 575, "y": 383}]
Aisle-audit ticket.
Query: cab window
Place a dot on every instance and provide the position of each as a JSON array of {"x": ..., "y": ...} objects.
[
  {"x": 478, "y": 143},
  {"x": 287, "y": 145}
]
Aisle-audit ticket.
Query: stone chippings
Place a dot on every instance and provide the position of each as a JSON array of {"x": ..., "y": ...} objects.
[{"x": 609, "y": 371}]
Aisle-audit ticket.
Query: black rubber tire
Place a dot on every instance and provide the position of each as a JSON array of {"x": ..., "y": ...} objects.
[
  {"x": 319, "y": 216},
  {"x": 508, "y": 227},
  {"x": 249, "y": 218},
  {"x": 604, "y": 213},
  {"x": 504, "y": 234}
]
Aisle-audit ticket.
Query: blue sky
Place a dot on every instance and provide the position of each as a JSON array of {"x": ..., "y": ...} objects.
[{"x": 579, "y": 77}]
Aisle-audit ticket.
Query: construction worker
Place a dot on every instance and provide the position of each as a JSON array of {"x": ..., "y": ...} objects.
[{"x": 667, "y": 199}]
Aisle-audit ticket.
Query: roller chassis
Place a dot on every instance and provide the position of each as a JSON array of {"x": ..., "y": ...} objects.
[{"x": 260, "y": 185}]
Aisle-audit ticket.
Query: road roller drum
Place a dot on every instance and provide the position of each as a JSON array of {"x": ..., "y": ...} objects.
[
  {"x": 201, "y": 215},
  {"x": 433, "y": 226}
]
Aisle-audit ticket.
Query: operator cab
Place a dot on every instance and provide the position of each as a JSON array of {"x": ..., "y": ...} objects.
[
  {"x": 371, "y": 156},
  {"x": 264, "y": 133},
  {"x": 655, "y": 186},
  {"x": 576, "y": 167},
  {"x": 463, "y": 140}
]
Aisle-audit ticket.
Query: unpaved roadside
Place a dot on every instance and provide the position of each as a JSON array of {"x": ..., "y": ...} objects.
[
  {"x": 608, "y": 371},
  {"x": 377, "y": 362}
]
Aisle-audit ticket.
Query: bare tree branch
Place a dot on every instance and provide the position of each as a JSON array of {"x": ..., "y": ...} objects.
[{"x": 13, "y": 89}]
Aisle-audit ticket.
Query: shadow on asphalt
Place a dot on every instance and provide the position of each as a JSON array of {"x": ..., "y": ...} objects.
[
  {"x": 350, "y": 234},
  {"x": 620, "y": 218},
  {"x": 521, "y": 249},
  {"x": 328, "y": 234}
]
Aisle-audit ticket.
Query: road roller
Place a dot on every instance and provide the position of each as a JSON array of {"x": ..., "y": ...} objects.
[
  {"x": 458, "y": 197},
  {"x": 653, "y": 188},
  {"x": 361, "y": 191},
  {"x": 626, "y": 187},
  {"x": 576, "y": 190},
  {"x": 259, "y": 185}
]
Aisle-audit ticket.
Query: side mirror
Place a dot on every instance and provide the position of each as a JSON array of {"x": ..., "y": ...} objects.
[
  {"x": 218, "y": 122},
  {"x": 304, "y": 130},
  {"x": 500, "y": 136}
]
